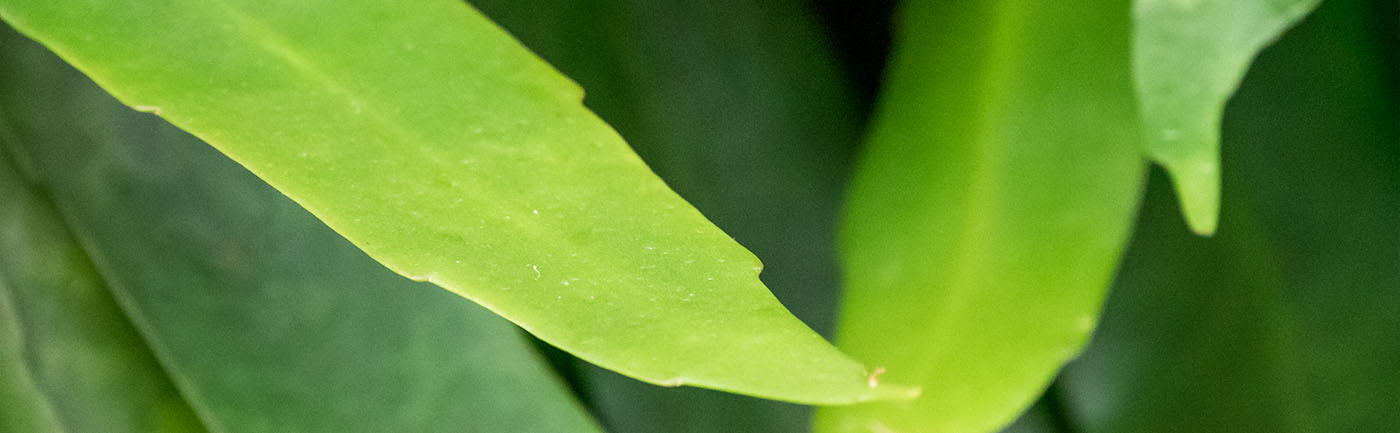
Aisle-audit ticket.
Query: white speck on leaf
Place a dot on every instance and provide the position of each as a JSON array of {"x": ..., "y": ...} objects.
[{"x": 874, "y": 379}]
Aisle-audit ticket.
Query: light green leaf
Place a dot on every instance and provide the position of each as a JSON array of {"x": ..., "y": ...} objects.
[
  {"x": 760, "y": 146},
  {"x": 69, "y": 359},
  {"x": 990, "y": 209},
  {"x": 1287, "y": 321},
  {"x": 429, "y": 138},
  {"x": 265, "y": 319},
  {"x": 1188, "y": 56}
]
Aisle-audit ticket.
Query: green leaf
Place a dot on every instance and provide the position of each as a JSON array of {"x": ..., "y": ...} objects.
[
  {"x": 1287, "y": 321},
  {"x": 990, "y": 209},
  {"x": 70, "y": 359},
  {"x": 265, "y": 319},
  {"x": 1189, "y": 55},
  {"x": 434, "y": 142},
  {"x": 760, "y": 146}
]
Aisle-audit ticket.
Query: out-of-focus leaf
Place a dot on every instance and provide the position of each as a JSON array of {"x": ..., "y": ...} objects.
[
  {"x": 23, "y": 408},
  {"x": 990, "y": 209},
  {"x": 265, "y": 319},
  {"x": 1040, "y": 418},
  {"x": 1286, "y": 321},
  {"x": 70, "y": 359},
  {"x": 760, "y": 145},
  {"x": 437, "y": 144},
  {"x": 1188, "y": 57}
]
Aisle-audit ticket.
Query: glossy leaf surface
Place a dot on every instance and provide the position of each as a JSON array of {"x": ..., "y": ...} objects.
[
  {"x": 70, "y": 359},
  {"x": 1188, "y": 57},
  {"x": 990, "y": 209},
  {"x": 1287, "y": 320},
  {"x": 760, "y": 146},
  {"x": 438, "y": 145},
  {"x": 265, "y": 319}
]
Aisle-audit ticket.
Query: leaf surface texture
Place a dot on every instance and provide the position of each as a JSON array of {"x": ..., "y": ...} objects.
[
  {"x": 264, "y": 319},
  {"x": 434, "y": 142}
]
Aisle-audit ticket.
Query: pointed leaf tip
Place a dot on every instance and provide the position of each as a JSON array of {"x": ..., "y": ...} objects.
[
  {"x": 1198, "y": 189},
  {"x": 1189, "y": 57},
  {"x": 451, "y": 153}
]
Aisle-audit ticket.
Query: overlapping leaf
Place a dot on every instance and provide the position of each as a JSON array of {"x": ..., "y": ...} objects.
[
  {"x": 990, "y": 209},
  {"x": 1188, "y": 57},
  {"x": 434, "y": 142},
  {"x": 1287, "y": 320}
]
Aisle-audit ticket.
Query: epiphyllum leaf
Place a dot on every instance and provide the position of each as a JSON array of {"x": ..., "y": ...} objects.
[
  {"x": 263, "y": 318},
  {"x": 1188, "y": 57},
  {"x": 760, "y": 146},
  {"x": 440, "y": 146},
  {"x": 990, "y": 209}
]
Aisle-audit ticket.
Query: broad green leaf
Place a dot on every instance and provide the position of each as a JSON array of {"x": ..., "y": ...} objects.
[
  {"x": 69, "y": 358},
  {"x": 990, "y": 209},
  {"x": 1286, "y": 321},
  {"x": 438, "y": 145},
  {"x": 265, "y": 319},
  {"x": 1188, "y": 57},
  {"x": 760, "y": 147}
]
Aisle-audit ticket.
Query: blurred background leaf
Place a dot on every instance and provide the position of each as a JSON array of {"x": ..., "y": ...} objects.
[
  {"x": 70, "y": 358},
  {"x": 990, "y": 209},
  {"x": 1188, "y": 58},
  {"x": 266, "y": 320},
  {"x": 1289, "y": 319}
]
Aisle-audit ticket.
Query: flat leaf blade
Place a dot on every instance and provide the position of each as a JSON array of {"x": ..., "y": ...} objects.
[
  {"x": 1189, "y": 56},
  {"x": 760, "y": 146},
  {"x": 990, "y": 209},
  {"x": 269, "y": 321},
  {"x": 452, "y": 155}
]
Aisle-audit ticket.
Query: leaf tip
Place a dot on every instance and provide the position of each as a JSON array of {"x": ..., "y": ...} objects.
[{"x": 1198, "y": 189}]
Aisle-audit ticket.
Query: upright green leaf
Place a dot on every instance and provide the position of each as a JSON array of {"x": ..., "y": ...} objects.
[
  {"x": 265, "y": 319},
  {"x": 760, "y": 146},
  {"x": 990, "y": 209},
  {"x": 1189, "y": 55},
  {"x": 429, "y": 138},
  {"x": 1289, "y": 320},
  {"x": 69, "y": 358}
]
